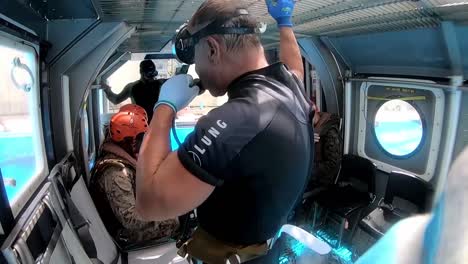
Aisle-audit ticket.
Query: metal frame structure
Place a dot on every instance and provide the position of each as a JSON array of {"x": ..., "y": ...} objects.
[
  {"x": 156, "y": 21},
  {"x": 94, "y": 48},
  {"x": 328, "y": 69},
  {"x": 336, "y": 36},
  {"x": 113, "y": 63}
]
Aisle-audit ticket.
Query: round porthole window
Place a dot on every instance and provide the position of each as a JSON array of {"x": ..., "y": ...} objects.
[{"x": 398, "y": 128}]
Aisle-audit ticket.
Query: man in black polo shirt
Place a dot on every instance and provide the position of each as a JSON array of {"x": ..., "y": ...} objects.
[
  {"x": 143, "y": 92},
  {"x": 247, "y": 162}
]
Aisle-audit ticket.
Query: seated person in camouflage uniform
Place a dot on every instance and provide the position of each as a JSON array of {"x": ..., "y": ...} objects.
[
  {"x": 328, "y": 147},
  {"x": 113, "y": 181}
]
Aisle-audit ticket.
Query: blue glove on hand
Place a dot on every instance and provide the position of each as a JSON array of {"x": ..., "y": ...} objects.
[
  {"x": 281, "y": 11},
  {"x": 178, "y": 92}
]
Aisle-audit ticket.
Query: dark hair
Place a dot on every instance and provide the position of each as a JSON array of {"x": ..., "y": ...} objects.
[
  {"x": 219, "y": 10},
  {"x": 147, "y": 65}
]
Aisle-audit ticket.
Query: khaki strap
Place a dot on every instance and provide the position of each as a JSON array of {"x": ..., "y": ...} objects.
[{"x": 204, "y": 247}]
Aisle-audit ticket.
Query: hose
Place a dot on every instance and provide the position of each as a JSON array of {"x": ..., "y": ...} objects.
[{"x": 174, "y": 133}]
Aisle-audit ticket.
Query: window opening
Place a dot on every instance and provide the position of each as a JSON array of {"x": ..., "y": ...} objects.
[
  {"x": 398, "y": 128},
  {"x": 22, "y": 158}
]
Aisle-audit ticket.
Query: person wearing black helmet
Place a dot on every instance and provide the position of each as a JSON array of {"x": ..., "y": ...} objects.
[
  {"x": 144, "y": 92},
  {"x": 246, "y": 164}
]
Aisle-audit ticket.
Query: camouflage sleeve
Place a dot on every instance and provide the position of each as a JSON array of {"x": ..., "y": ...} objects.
[
  {"x": 331, "y": 157},
  {"x": 118, "y": 184}
]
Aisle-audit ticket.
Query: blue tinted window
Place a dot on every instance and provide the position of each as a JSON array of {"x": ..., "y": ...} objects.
[{"x": 398, "y": 128}]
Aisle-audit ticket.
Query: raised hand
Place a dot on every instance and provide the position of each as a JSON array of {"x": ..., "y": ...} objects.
[
  {"x": 177, "y": 92},
  {"x": 281, "y": 11}
]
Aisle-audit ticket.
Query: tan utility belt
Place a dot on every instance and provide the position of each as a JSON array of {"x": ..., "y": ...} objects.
[{"x": 207, "y": 249}]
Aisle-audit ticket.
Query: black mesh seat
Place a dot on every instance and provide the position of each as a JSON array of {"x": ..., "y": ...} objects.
[{"x": 404, "y": 186}]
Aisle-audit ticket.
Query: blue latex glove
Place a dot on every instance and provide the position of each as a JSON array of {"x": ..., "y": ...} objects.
[
  {"x": 178, "y": 92},
  {"x": 281, "y": 11}
]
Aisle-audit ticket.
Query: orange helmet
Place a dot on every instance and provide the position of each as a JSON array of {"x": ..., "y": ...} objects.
[
  {"x": 127, "y": 124},
  {"x": 133, "y": 108}
]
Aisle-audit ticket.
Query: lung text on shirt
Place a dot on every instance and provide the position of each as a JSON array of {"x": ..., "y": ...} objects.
[{"x": 207, "y": 140}]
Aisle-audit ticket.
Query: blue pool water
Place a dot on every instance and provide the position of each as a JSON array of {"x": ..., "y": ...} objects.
[
  {"x": 16, "y": 162},
  {"x": 182, "y": 133},
  {"x": 17, "y": 159},
  {"x": 399, "y": 138}
]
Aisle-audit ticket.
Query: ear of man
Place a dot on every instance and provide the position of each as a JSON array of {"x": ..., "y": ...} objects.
[{"x": 214, "y": 50}]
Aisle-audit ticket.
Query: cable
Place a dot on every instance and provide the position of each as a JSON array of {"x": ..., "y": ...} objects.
[{"x": 174, "y": 132}]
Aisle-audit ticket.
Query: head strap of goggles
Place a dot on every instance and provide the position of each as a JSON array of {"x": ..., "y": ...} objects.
[
  {"x": 184, "y": 42},
  {"x": 218, "y": 28}
]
